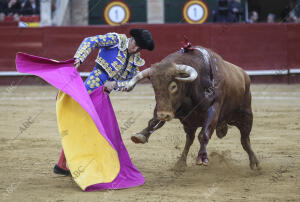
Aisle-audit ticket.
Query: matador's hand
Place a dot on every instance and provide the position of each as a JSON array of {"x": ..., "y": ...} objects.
[
  {"x": 76, "y": 63},
  {"x": 109, "y": 85}
]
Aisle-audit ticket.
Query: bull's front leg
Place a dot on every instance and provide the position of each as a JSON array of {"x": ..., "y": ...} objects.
[
  {"x": 207, "y": 130},
  {"x": 190, "y": 136},
  {"x": 143, "y": 136}
]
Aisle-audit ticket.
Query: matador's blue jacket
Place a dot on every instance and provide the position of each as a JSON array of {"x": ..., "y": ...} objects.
[{"x": 111, "y": 57}]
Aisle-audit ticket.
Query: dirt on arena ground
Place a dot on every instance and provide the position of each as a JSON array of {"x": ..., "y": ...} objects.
[{"x": 30, "y": 147}]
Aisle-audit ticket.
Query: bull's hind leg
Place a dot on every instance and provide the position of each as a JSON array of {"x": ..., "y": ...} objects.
[
  {"x": 153, "y": 124},
  {"x": 245, "y": 125}
]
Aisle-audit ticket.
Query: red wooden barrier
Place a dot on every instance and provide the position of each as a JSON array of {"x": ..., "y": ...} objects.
[
  {"x": 255, "y": 46},
  {"x": 27, "y": 18}
]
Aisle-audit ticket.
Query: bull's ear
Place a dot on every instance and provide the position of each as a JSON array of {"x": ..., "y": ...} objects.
[{"x": 186, "y": 70}]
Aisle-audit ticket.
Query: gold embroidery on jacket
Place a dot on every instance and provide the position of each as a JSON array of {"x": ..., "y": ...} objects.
[
  {"x": 123, "y": 42},
  {"x": 121, "y": 58}
]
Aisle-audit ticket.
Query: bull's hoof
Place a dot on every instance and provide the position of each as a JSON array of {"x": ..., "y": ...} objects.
[
  {"x": 202, "y": 160},
  {"x": 254, "y": 164},
  {"x": 205, "y": 162},
  {"x": 180, "y": 166},
  {"x": 139, "y": 139}
]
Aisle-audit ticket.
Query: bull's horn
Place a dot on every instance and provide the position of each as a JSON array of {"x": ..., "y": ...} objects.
[
  {"x": 188, "y": 70},
  {"x": 137, "y": 77}
]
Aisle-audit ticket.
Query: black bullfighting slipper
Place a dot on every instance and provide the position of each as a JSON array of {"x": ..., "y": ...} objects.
[{"x": 60, "y": 171}]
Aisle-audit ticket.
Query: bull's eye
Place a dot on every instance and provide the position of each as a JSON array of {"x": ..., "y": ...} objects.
[{"x": 173, "y": 87}]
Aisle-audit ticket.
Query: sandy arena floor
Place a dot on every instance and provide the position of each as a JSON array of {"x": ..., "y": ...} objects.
[{"x": 30, "y": 146}]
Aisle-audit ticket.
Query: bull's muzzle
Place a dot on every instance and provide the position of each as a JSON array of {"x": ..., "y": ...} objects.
[{"x": 165, "y": 115}]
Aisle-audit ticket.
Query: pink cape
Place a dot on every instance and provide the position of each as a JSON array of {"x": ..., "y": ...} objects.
[{"x": 65, "y": 77}]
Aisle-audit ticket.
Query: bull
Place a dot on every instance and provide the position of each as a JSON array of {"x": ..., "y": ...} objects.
[{"x": 200, "y": 89}]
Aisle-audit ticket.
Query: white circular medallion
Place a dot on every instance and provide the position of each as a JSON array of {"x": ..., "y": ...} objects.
[
  {"x": 116, "y": 14},
  {"x": 195, "y": 12}
]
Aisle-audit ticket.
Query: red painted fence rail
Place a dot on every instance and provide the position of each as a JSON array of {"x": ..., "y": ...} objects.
[{"x": 250, "y": 46}]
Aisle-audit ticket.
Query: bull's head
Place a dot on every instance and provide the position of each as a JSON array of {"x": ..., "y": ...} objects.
[{"x": 168, "y": 81}]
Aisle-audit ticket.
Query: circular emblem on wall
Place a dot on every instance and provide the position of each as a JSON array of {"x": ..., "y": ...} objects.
[
  {"x": 116, "y": 13},
  {"x": 195, "y": 12}
]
